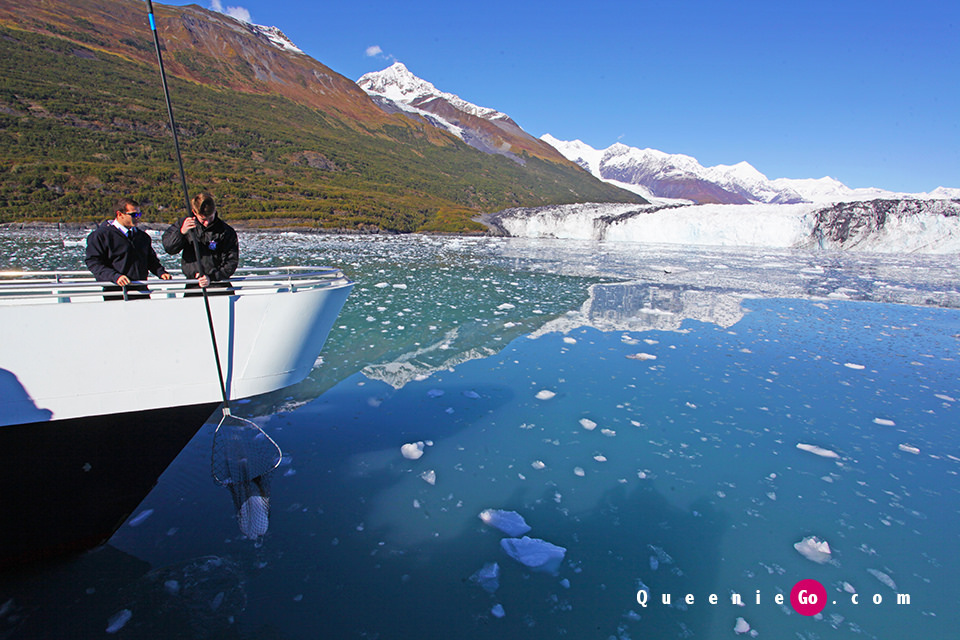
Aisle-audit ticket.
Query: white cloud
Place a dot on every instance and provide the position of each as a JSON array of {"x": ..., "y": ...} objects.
[
  {"x": 374, "y": 51},
  {"x": 240, "y": 13}
]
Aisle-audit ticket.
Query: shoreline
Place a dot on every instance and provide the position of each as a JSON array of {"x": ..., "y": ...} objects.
[{"x": 242, "y": 226}]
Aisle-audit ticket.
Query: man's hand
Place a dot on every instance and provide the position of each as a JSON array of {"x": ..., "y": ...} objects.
[
  {"x": 123, "y": 281},
  {"x": 189, "y": 223},
  {"x": 166, "y": 276},
  {"x": 204, "y": 280}
]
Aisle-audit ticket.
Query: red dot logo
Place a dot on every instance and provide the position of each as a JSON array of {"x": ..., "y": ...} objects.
[{"x": 808, "y": 597}]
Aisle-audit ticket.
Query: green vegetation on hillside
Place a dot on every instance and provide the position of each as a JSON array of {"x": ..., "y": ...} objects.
[{"x": 80, "y": 128}]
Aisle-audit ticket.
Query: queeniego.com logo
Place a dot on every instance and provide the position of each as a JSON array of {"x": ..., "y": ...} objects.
[{"x": 807, "y": 597}]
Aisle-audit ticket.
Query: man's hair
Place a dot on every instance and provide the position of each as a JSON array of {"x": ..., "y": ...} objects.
[
  {"x": 203, "y": 203},
  {"x": 126, "y": 202}
]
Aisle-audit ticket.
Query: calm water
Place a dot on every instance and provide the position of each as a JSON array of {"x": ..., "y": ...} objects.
[{"x": 639, "y": 406}]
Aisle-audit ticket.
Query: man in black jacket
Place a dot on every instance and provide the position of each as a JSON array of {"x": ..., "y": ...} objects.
[
  {"x": 120, "y": 253},
  {"x": 216, "y": 240}
]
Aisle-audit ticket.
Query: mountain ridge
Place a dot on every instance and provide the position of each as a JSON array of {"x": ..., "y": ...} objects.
[
  {"x": 280, "y": 138},
  {"x": 397, "y": 90},
  {"x": 667, "y": 177}
]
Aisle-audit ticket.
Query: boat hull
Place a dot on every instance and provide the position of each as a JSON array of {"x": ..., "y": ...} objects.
[
  {"x": 70, "y": 483},
  {"x": 98, "y": 397}
]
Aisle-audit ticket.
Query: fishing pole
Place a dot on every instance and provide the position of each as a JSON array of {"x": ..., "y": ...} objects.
[{"x": 186, "y": 198}]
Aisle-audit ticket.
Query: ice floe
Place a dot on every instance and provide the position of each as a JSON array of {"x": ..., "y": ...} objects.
[
  {"x": 641, "y": 356},
  {"x": 851, "y": 365},
  {"x": 510, "y": 522},
  {"x": 430, "y": 477},
  {"x": 819, "y": 451},
  {"x": 412, "y": 450},
  {"x": 884, "y": 422},
  {"x": 588, "y": 424},
  {"x": 535, "y": 553},
  {"x": 884, "y": 578},
  {"x": 742, "y": 626},
  {"x": 488, "y": 577},
  {"x": 545, "y": 394},
  {"x": 141, "y": 517},
  {"x": 497, "y": 611},
  {"x": 815, "y": 549},
  {"x": 118, "y": 620},
  {"x": 909, "y": 449}
]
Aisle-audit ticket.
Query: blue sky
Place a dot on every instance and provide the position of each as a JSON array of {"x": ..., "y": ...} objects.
[{"x": 865, "y": 91}]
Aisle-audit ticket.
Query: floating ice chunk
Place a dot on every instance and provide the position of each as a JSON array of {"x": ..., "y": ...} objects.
[
  {"x": 851, "y": 365},
  {"x": 588, "y": 424},
  {"x": 253, "y": 516},
  {"x": 118, "y": 620},
  {"x": 510, "y": 522},
  {"x": 569, "y": 340},
  {"x": 815, "y": 549},
  {"x": 535, "y": 553},
  {"x": 909, "y": 449},
  {"x": 944, "y": 397},
  {"x": 497, "y": 611},
  {"x": 430, "y": 477},
  {"x": 435, "y": 393},
  {"x": 578, "y": 471},
  {"x": 565, "y": 583},
  {"x": 488, "y": 577},
  {"x": 538, "y": 464},
  {"x": 400, "y": 286},
  {"x": 819, "y": 451},
  {"x": 848, "y": 588},
  {"x": 884, "y": 578},
  {"x": 473, "y": 395},
  {"x": 141, "y": 517},
  {"x": 600, "y": 457},
  {"x": 412, "y": 450},
  {"x": 742, "y": 626},
  {"x": 884, "y": 422},
  {"x": 545, "y": 394},
  {"x": 608, "y": 432},
  {"x": 654, "y": 563},
  {"x": 641, "y": 356},
  {"x": 505, "y": 306},
  {"x": 381, "y": 285}
]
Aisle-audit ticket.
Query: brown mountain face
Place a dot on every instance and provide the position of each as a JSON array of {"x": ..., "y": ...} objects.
[
  {"x": 199, "y": 45},
  {"x": 277, "y": 135}
]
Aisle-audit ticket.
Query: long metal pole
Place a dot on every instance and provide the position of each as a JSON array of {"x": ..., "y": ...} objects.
[{"x": 186, "y": 200}]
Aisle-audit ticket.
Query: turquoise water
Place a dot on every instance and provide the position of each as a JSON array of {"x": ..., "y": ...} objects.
[{"x": 638, "y": 406}]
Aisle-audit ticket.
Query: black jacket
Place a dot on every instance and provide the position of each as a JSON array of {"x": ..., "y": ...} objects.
[
  {"x": 111, "y": 254},
  {"x": 218, "y": 244}
]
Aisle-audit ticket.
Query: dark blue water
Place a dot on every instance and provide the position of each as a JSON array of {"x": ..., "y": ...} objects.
[{"x": 649, "y": 429}]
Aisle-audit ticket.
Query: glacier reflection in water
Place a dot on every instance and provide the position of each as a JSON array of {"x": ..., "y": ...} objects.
[{"x": 638, "y": 406}]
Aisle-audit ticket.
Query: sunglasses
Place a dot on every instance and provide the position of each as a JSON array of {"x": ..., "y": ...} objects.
[{"x": 135, "y": 214}]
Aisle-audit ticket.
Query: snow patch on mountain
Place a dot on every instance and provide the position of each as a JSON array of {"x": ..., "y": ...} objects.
[
  {"x": 398, "y": 84},
  {"x": 277, "y": 38},
  {"x": 677, "y": 175}
]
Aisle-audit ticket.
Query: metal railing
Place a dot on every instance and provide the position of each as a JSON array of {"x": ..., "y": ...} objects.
[{"x": 28, "y": 287}]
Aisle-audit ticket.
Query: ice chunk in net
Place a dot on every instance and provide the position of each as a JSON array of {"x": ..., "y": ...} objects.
[
  {"x": 510, "y": 522},
  {"x": 535, "y": 553}
]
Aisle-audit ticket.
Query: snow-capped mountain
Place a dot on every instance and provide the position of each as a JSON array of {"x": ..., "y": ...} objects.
[
  {"x": 276, "y": 37},
  {"x": 397, "y": 90},
  {"x": 676, "y": 176}
]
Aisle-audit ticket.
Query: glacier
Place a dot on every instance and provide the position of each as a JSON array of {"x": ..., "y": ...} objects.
[{"x": 884, "y": 226}]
